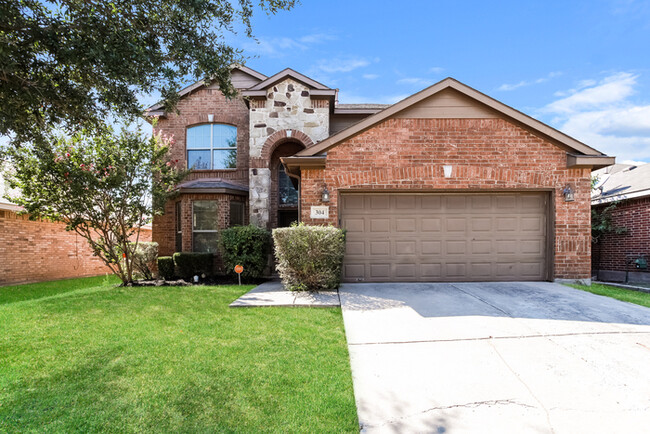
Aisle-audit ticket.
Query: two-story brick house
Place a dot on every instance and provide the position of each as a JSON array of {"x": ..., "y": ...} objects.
[{"x": 446, "y": 185}]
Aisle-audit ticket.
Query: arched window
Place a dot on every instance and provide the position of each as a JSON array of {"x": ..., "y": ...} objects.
[{"x": 212, "y": 146}]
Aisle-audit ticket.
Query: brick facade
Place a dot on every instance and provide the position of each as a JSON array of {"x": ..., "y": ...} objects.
[
  {"x": 615, "y": 252},
  {"x": 486, "y": 155},
  {"x": 34, "y": 251},
  {"x": 489, "y": 148},
  {"x": 164, "y": 227},
  {"x": 193, "y": 111}
]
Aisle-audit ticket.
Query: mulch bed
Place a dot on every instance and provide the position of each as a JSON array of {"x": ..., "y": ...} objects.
[{"x": 207, "y": 281}]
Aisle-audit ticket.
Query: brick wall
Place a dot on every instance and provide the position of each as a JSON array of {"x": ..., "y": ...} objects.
[
  {"x": 164, "y": 227},
  {"x": 613, "y": 251},
  {"x": 33, "y": 251},
  {"x": 486, "y": 154},
  {"x": 194, "y": 110}
]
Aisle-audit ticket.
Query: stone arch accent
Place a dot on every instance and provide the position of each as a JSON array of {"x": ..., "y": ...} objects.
[{"x": 279, "y": 137}]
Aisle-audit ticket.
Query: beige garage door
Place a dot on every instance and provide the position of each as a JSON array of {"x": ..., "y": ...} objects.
[{"x": 445, "y": 237}]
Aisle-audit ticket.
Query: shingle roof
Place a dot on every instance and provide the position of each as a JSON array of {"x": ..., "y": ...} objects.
[
  {"x": 621, "y": 181},
  {"x": 212, "y": 184}
]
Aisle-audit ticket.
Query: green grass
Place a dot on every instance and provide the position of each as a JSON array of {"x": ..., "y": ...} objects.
[
  {"x": 631, "y": 296},
  {"x": 87, "y": 356}
]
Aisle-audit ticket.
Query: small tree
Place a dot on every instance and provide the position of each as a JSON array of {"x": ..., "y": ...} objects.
[
  {"x": 103, "y": 187},
  {"x": 601, "y": 219}
]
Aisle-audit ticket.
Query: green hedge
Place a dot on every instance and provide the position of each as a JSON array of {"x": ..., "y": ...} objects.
[
  {"x": 309, "y": 258},
  {"x": 247, "y": 246},
  {"x": 189, "y": 264},
  {"x": 166, "y": 267}
]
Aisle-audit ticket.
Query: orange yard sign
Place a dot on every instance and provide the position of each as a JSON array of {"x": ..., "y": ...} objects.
[{"x": 238, "y": 270}]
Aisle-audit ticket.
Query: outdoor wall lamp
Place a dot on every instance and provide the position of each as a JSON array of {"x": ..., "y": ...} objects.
[
  {"x": 325, "y": 194},
  {"x": 568, "y": 194},
  {"x": 447, "y": 171}
]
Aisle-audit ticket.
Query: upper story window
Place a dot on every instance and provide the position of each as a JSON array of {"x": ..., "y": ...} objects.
[{"x": 212, "y": 146}]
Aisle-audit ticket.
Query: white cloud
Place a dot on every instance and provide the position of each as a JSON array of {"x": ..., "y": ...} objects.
[
  {"x": 342, "y": 65},
  {"x": 602, "y": 115},
  {"x": 282, "y": 46},
  {"x": 316, "y": 38},
  {"x": 370, "y": 76},
  {"x": 610, "y": 90},
  {"x": 633, "y": 163},
  {"x": 436, "y": 69},
  {"x": 524, "y": 83},
  {"x": 415, "y": 81}
]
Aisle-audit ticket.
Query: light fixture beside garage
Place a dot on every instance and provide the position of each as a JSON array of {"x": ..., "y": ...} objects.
[
  {"x": 447, "y": 171},
  {"x": 325, "y": 194},
  {"x": 568, "y": 193}
]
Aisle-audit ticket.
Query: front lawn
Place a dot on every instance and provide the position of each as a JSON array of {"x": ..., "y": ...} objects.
[
  {"x": 87, "y": 356},
  {"x": 631, "y": 296}
]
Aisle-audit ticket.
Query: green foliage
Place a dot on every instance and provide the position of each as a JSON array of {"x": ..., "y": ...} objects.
[
  {"x": 144, "y": 258},
  {"x": 602, "y": 222},
  {"x": 190, "y": 264},
  {"x": 71, "y": 63},
  {"x": 309, "y": 257},
  {"x": 101, "y": 187},
  {"x": 247, "y": 246},
  {"x": 166, "y": 267},
  {"x": 628, "y": 295}
]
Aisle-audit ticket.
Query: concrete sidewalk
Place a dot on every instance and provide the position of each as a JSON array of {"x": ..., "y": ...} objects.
[
  {"x": 496, "y": 357},
  {"x": 272, "y": 293}
]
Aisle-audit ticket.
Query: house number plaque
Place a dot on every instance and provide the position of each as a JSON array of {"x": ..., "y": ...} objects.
[{"x": 320, "y": 212}]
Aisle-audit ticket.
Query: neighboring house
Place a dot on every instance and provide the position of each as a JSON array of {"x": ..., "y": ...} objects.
[
  {"x": 39, "y": 250},
  {"x": 623, "y": 257},
  {"x": 446, "y": 185}
]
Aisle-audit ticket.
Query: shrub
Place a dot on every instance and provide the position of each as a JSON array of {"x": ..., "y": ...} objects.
[
  {"x": 247, "y": 246},
  {"x": 166, "y": 267},
  {"x": 309, "y": 257},
  {"x": 189, "y": 264},
  {"x": 144, "y": 259}
]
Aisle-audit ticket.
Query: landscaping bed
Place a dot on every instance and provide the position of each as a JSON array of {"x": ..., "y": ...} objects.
[{"x": 86, "y": 356}]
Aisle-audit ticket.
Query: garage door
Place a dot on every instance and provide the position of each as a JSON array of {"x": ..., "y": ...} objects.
[{"x": 445, "y": 237}]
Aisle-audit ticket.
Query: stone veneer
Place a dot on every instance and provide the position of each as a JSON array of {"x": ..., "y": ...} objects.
[{"x": 288, "y": 107}]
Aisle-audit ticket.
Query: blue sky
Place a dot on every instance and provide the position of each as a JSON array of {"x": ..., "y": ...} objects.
[{"x": 580, "y": 66}]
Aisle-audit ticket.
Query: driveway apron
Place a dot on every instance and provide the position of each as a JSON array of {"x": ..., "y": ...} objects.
[{"x": 496, "y": 357}]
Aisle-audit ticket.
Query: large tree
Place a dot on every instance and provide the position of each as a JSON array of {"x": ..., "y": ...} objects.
[
  {"x": 104, "y": 187},
  {"x": 70, "y": 63}
]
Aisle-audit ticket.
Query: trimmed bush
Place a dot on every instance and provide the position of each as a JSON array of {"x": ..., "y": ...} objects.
[
  {"x": 189, "y": 264},
  {"x": 144, "y": 259},
  {"x": 309, "y": 258},
  {"x": 247, "y": 246},
  {"x": 166, "y": 267}
]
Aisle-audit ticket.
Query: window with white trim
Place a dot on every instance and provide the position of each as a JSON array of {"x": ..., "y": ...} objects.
[
  {"x": 204, "y": 226},
  {"x": 212, "y": 146}
]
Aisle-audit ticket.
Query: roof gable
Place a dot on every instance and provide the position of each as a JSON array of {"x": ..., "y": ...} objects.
[
  {"x": 289, "y": 73},
  {"x": 240, "y": 76},
  {"x": 451, "y": 98}
]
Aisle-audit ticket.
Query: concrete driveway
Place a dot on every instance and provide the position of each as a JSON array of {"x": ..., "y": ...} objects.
[{"x": 496, "y": 357}]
